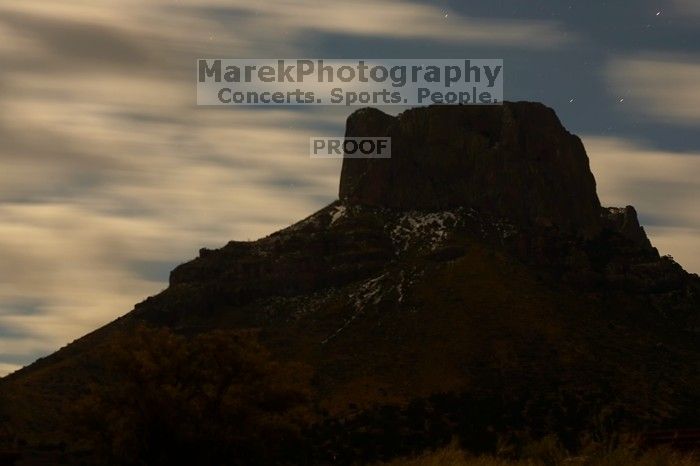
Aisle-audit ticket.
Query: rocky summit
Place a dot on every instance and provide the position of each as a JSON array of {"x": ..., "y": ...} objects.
[
  {"x": 471, "y": 286},
  {"x": 514, "y": 160}
]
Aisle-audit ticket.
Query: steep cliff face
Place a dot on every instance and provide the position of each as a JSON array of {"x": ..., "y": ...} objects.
[{"x": 516, "y": 161}]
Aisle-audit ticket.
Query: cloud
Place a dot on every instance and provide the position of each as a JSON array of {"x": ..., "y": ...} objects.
[
  {"x": 402, "y": 20},
  {"x": 663, "y": 186},
  {"x": 688, "y": 7},
  {"x": 77, "y": 42},
  {"x": 8, "y": 368},
  {"x": 666, "y": 89},
  {"x": 254, "y": 27}
]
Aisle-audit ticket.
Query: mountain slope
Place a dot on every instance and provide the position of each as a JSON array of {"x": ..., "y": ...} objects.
[{"x": 476, "y": 266}]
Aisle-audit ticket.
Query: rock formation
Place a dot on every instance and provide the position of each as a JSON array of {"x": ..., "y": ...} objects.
[{"x": 516, "y": 161}]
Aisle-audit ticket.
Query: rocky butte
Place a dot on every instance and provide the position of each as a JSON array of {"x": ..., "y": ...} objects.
[
  {"x": 514, "y": 160},
  {"x": 470, "y": 285}
]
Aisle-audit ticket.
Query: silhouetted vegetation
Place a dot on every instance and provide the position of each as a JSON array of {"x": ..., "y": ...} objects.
[
  {"x": 481, "y": 425},
  {"x": 547, "y": 452},
  {"x": 215, "y": 398}
]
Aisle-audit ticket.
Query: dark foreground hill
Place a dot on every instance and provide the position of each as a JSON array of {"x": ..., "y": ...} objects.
[{"x": 472, "y": 286}]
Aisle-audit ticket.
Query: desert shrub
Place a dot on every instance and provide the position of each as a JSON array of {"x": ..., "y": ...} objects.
[
  {"x": 541, "y": 454},
  {"x": 214, "y": 398}
]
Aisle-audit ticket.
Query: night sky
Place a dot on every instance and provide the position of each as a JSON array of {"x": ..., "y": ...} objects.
[{"x": 111, "y": 175}]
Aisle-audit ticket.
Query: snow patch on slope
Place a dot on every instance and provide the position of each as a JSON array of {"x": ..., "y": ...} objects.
[
  {"x": 338, "y": 213},
  {"x": 430, "y": 229},
  {"x": 370, "y": 292}
]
